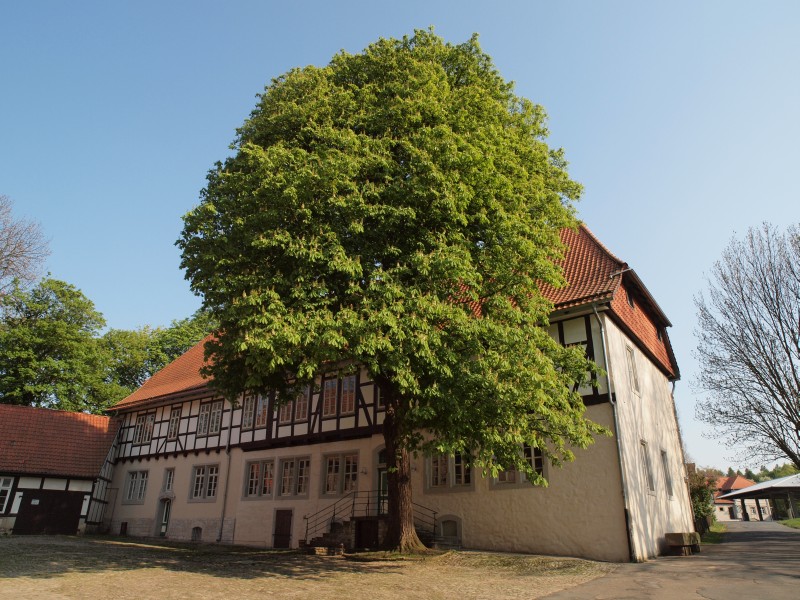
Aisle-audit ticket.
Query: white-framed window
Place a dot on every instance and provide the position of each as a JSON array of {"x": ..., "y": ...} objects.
[
  {"x": 301, "y": 406},
  {"x": 285, "y": 412},
  {"x": 135, "y": 487},
  {"x": 348, "y": 404},
  {"x": 204, "y": 482},
  {"x": 449, "y": 471},
  {"x": 248, "y": 407},
  {"x": 215, "y": 421},
  {"x": 329, "y": 397},
  {"x": 261, "y": 411},
  {"x": 648, "y": 470},
  {"x": 143, "y": 432},
  {"x": 202, "y": 419},
  {"x": 533, "y": 456},
  {"x": 5, "y": 492},
  {"x": 209, "y": 420},
  {"x": 294, "y": 476},
  {"x": 169, "y": 479},
  {"x": 632, "y": 374},
  {"x": 260, "y": 479},
  {"x": 174, "y": 422},
  {"x": 667, "y": 473},
  {"x": 341, "y": 474}
]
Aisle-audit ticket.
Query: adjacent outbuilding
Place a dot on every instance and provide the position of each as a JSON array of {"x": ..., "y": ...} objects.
[
  {"x": 54, "y": 469},
  {"x": 783, "y": 495}
]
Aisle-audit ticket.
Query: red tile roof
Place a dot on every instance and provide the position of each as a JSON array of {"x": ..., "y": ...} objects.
[
  {"x": 594, "y": 274},
  {"x": 589, "y": 267},
  {"x": 181, "y": 375},
  {"x": 729, "y": 484},
  {"x": 41, "y": 441}
]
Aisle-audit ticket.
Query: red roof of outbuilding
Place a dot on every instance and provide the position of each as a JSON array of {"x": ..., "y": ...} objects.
[
  {"x": 594, "y": 275},
  {"x": 41, "y": 441}
]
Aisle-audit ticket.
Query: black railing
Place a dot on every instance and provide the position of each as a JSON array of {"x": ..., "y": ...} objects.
[{"x": 370, "y": 503}]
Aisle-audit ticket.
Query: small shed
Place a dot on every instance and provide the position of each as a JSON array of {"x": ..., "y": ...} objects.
[
  {"x": 52, "y": 469},
  {"x": 783, "y": 495}
]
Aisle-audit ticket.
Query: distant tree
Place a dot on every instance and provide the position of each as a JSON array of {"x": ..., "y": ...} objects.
[
  {"x": 49, "y": 355},
  {"x": 731, "y": 472},
  {"x": 22, "y": 247},
  {"x": 702, "y": 486},
  {"x": 397, "y": 209},
  {"x": 748, "y": 474},
  {"x": 136, "y": 355},
  {"x": 749, "y": 344}
]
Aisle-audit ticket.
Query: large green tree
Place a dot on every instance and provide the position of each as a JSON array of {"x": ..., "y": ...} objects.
[
  {"x": 52, "y": 353},
  {"x": 397, "y": 209},
  {"x": 49, "y": 356}
]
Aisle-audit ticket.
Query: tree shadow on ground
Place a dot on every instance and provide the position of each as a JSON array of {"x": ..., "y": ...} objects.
[{"x": 51, "y": 556}]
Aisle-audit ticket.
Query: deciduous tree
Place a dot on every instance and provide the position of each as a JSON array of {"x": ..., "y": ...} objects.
[
  {"x": 397, "y": 209},
  {"x": 49, "y": 356},
  {"x": 22, "y": 247},
  {"x": 749, "y": 344}
]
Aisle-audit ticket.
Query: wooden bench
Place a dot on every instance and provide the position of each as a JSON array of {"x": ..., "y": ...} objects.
[{"x": 684, "y": 543}]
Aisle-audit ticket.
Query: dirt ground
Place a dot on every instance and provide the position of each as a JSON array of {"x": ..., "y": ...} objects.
[{"x": 119, "y": 568}]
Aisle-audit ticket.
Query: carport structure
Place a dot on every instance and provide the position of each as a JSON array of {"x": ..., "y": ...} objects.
[{"x": 783, "y": 494}]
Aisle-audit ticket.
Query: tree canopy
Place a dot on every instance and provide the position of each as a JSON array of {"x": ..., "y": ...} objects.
[
  {"x": 397, "y": 209},
  {"x": 749, "y": 344},
  {"x": 53, "y": 355}
]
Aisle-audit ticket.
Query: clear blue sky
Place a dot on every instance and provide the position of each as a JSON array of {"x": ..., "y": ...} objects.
[{"x": 681, "y": 119}]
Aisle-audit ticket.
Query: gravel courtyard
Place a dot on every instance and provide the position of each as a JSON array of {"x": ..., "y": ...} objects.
[{"x": 100, "y": 567}]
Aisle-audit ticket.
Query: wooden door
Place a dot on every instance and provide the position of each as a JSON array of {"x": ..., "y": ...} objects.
[
  {"x": 282, "y": 537},
  {"x": 52, "y": 512}
]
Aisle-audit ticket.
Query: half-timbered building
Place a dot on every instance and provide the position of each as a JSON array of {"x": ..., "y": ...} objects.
[
  {"x": 191, "y": 465},
  {"x": 55, "y": 467}
]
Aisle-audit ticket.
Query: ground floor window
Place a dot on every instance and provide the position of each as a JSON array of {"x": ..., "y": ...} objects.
[
  {"x": 260, "y": 479},
  {"x": 5, "y": 492},
  {"x": 135, "y": 486},
  {"x": 204, "y": 482},
  {"x": 341, "y": 474},
  {"x": 294, "y": 476},
  {"x": 447, "y": 472},
  {"x": 533, "y": 456}
]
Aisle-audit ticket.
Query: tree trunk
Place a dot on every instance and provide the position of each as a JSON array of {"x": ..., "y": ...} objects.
[{"x": 400, "y": 532}]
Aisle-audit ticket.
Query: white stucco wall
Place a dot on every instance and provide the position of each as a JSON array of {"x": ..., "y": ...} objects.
[{"x": 648, "y": 416}]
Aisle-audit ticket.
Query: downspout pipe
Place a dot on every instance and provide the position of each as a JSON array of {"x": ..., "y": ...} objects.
[
  {"x": 621, "y": 462},
  {"x": 227, "y": 475}
]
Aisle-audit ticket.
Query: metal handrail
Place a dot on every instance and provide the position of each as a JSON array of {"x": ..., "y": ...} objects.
[{"x": 360, "y": 504}]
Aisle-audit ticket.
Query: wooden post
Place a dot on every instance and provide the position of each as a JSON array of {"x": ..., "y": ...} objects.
[
  {"x": 745, "y": 516},
  {"x": 758, "y": 507}
]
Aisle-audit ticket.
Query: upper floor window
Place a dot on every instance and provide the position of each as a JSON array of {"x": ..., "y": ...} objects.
[
  {"x": 143, "y": 432},
  {"x": 632, "y": 374},
  {"x": 261, "y": 411},
  {"x": 209, "y": 420},
  {"x": 135, "y": 486},
  {"x": 667, "y": 473},
  {"x": 533, "y": 456},
  {"x": 648, "y": 469},
  {"x": 329, "y": 397},
  {"x": 204, "y": 482},
  {"x": 348, "y": 394},
  {"x": 301, "y": 405},
  {"x": 285, "y": 412},
  {"x": 248, "y": 406},
  {"x": 174, "y": 422}
]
